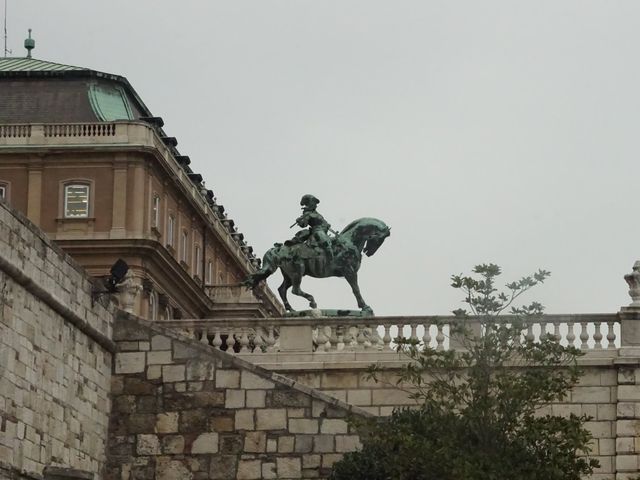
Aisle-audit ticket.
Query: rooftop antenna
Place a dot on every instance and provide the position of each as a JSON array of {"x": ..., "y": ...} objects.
[
  {"x": 29, "y": 44},
  {"x": 6, "y": 50}
]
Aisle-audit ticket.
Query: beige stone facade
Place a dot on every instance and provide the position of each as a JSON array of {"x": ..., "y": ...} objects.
[{"x": 84, "y": 159}]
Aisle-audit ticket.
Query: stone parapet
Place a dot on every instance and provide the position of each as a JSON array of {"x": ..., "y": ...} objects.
[
  {"x": 184, "y": 410},
  {"x": 55, "y": 357}
]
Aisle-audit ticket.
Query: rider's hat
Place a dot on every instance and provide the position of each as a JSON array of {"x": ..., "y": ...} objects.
[{"x": 309, "y": 199}]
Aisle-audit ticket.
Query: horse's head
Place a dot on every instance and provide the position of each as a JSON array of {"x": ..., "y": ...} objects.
[
  {"x": 367, "y": 234},
  {"x": 374, "y": 242}
]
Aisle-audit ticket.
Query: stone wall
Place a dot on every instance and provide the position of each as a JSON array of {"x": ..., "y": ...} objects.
[
  {"x": 55, "y": 357},
  {"x": 596, "y": 395},
  {"x": 182, "y": 410}
]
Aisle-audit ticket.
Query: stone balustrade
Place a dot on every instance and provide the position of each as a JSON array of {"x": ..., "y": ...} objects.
[{"x": 378, "y": 334}]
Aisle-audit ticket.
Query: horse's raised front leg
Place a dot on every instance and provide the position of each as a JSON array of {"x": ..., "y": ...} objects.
[
  {"x": 282, "y": 290},
  {"x": 352, "y": 278},
  {"x": 296, "y": 290}
]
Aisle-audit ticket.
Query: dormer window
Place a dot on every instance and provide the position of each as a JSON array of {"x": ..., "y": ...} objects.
[
  {"x": 109, "y": 103},
  {"x": 76, "y": 200}
]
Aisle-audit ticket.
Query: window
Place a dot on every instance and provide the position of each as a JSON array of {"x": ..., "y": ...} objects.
[
  {"x": 3, "y": 191},
  {"x": 197, "y": 267},
  {"x": 209, "y": 272},
  {"x": 76, "y": 201},
  {"x": 109, "y": 103},
  {"x": 153, "y": 306},
  {"x": 183, "y": 249},
  {"x": 170, "y": 230},
  {"x": 155, "y": 212}
]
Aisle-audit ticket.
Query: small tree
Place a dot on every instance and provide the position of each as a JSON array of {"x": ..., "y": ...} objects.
[{"x": 478, "y": 414}]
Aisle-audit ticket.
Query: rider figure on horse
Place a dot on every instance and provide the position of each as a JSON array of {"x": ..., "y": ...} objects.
[{"x": 317, "y": 233}]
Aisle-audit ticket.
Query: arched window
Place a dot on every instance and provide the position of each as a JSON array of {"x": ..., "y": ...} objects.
[{"x": 76, "y": 200}]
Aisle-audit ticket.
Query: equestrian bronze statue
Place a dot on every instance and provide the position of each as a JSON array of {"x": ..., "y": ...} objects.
[{"x": 316, "y": 253}]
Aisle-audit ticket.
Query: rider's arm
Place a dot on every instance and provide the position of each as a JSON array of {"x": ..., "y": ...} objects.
[{"x": 303, "y": 220}]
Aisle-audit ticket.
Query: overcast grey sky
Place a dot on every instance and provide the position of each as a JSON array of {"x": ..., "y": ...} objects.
[{"x": 480, "y": 131}]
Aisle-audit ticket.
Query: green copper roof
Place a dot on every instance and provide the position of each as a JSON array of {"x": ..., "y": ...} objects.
[{"x": 9, "y": 64}]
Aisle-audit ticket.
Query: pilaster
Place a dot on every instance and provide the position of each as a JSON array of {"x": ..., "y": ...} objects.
[
  {"x": 139, "y": 187},
  {"x": 119, "y": 208},
  {"x": 34, "y": 192}
]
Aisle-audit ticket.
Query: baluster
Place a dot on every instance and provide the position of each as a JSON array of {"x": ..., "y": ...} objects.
[
  {"x": 244, "y": 341},
  {"x": 217, "y": 340},
  {"x": 611, "y": 335},
  {"x": 375, "y": 340},
  {"x": 414, "y": 333},
  {"x": 544, "y": 331},
  {"x": 340, "y": 345},
  {"x": 321, "y": 339},
  {"x": 360, "y": 338},
  {"x": 349, "y": 338},
  {"x": 333, "y": 339},
  {"x": 426, "y": 338},
  {"x": 204, "y": 339},
  {"x": 386, "y": 340},
  {"x": 258, "y": 342},
  {"x": 440, "y": 338},
  {"x": 400, "y": 331},
  {"x": 556, "y": 331},
  {"x": 231, "y": 342},
  {"x": 584, "y": 336},
  {"x": 571, "y": 336},
  {"x": 597, "y": 336},
  {"x": 271, "y": 339},
  {"x": 530, "y": 336}
]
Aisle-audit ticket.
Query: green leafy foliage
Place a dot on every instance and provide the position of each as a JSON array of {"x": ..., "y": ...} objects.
[{"x": 478, "y": 415}]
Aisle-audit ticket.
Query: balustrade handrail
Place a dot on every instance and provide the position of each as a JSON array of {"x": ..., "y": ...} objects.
[{"x": 390, "y": 320}]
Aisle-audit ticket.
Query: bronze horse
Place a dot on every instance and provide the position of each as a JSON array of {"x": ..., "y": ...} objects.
[{"x": 297, "y": 260}]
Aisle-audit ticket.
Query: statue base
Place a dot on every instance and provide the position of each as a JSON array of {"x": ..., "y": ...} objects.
[{"x": 330, "y": 312}]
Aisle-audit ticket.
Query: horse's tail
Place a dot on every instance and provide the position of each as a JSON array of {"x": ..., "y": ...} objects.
[{"x": 269, "y": 265}]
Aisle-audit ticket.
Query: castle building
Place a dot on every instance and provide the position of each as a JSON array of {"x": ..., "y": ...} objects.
[{"x": 87, "y": 162}]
